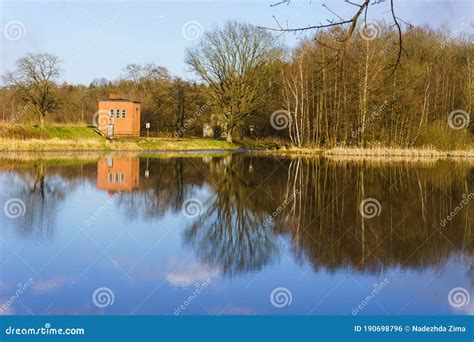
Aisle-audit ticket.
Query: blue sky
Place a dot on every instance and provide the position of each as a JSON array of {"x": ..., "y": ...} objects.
[{"x": 98, "y": 38}]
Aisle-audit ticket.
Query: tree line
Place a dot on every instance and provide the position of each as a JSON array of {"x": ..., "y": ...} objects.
[{"x": 327, "y": 91}]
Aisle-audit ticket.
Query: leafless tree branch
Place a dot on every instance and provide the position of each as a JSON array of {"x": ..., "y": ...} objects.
[{"x": 352, "y": 23}]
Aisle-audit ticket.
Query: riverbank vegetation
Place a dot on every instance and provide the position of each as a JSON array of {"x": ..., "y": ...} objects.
[
  {"x": 157, "y": 144},
  {"x": 77, "y": 138}
]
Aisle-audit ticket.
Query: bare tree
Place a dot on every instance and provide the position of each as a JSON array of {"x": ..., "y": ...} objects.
[
  {"x": 350, "y": 24},
  {"x": 233, "y": 61},
  {"x": 35, "y": 79},
  {"x": 146, "y": 73}
]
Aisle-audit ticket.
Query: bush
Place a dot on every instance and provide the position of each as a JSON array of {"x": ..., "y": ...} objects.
[{"x": 442, "y": 137}]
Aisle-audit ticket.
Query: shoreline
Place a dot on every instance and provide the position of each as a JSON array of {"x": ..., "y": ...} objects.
[
  {"x": 201, "y": 145},
  {"x": 388, "y": 152}
]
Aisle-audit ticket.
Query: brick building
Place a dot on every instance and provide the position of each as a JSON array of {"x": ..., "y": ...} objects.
[{"x": 123, "y": 114}]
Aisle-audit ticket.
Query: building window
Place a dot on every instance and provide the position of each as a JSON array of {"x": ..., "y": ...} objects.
[
  {"x": 111, "y": 178},
  {"x": 110, "y": 162},
  {"x": 122, "y": 178},
  {"x": 117, "y": 114},
  {"x": 116, "y": 178},
  {"x": 124, "y": 114},
  {"x": 111, "y": 113}
]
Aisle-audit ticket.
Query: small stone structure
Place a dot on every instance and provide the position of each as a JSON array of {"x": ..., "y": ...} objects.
[{"x": 207, "y": 131}]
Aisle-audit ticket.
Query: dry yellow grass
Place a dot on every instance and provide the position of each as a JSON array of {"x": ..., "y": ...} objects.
[
  {"x": 50, "y": 145},
  {"x": 56, "y": 144},
  {"x": 398, "y": 152},
  {"x": 379, "y": 152}
]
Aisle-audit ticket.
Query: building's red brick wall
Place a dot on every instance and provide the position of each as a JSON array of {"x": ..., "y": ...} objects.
[{"x": 122, "y": 127}]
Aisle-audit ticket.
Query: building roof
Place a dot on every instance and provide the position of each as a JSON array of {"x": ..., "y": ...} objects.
[{"x": 119, "y": 100}]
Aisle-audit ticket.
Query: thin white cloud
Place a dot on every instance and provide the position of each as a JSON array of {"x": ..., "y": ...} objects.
[{"x": 190, "y": 274}]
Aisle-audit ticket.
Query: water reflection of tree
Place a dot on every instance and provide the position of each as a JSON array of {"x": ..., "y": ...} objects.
[
  {"x": 322, "y": 222},
  {"x": 170, "y": 182},
  {"x": 328, "y": 228},
  {"x": 42, "y": 188},
  {"x": 231, "y": 234}
]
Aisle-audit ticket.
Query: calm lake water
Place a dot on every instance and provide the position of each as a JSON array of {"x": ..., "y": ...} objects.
[{"x": 234, "y": 234}]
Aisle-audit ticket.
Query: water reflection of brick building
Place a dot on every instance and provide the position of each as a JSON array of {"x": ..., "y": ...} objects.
[{"x": 118, "y": 173}]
